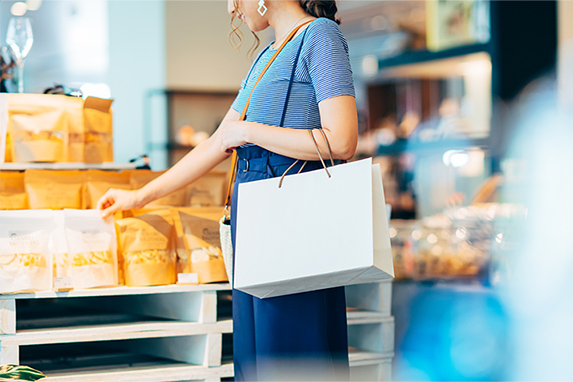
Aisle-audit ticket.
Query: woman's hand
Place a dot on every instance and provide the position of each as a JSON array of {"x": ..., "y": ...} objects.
[
  {"x": 115, "y": 200},
  {"x": 232, "y": 134}
]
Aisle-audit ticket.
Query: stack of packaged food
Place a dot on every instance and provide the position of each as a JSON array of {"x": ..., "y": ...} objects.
[
  {"x": 137, "y": 248},
  {"x": 50, "y": 230}
]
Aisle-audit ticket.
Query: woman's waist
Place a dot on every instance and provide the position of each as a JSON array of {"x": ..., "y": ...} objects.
[{"x": 256, "y": 158}]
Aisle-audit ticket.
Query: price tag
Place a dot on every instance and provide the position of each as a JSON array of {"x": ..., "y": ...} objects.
[
  {"x": 63, "y": 284},
  {"x": 187, "y": 278}
]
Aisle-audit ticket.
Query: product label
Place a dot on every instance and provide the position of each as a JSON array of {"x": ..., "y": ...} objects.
[{"x": 187, "y": 278}]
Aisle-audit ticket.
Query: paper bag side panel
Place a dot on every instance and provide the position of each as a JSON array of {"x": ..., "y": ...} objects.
[{"x": 381, "y": 231}]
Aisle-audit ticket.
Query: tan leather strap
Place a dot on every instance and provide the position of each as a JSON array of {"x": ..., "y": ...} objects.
[{"x": 234, "y": 158}]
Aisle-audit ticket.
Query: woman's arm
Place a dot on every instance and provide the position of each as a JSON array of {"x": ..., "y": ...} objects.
[
  {"x": 191, "y": 167},
  {"x": 339, "y": 121}
]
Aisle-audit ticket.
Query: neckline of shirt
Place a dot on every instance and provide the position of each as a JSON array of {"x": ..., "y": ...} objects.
[{"x": 296, "y": 37}]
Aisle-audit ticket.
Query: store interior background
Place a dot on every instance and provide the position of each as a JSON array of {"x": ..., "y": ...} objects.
[{"x": 157, "y": 59}]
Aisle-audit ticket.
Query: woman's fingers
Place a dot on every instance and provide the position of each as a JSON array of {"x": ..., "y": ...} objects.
[{"x": 113, "y": 201}]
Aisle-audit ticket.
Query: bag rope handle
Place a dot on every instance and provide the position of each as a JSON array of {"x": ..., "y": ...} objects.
[
  {"x": 319, "y": 156},
  {"x": 234, "y": 158}
]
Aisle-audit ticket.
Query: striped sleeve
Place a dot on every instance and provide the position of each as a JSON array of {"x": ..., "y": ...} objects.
[{"x": 326, "y": 56}]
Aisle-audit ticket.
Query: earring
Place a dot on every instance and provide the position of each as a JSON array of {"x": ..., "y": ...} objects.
[{"x": 262, "y": 8}]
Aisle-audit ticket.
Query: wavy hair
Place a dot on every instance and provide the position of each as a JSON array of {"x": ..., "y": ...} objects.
[{"x": 236, "y": 36}]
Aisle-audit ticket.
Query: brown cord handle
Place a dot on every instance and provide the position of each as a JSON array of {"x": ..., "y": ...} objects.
[
  {"x": 319, "y": 156},
  {"x": 234, "y": 158}
]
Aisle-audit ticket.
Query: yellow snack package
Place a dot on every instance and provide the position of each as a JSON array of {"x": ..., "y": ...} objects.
[
  {"x": 198, "y": 244},
  {"x": 91, "y": 260},
  {"x": 208, "y": 191},
  {"x": 38, "y": 127},
  {"x": 54, "y": 189},
  {"x": 98, "y": 126},
  {"x": 98, "y": 182},
  {"x": 140, "y": 178},
  {"x": 146, "y": 248},
  {"x": 25, "y": 258},
  {"x": 74, "y": 107},
  {"x": 4, "y": 144},
  {"x": 12, "y": 191}
]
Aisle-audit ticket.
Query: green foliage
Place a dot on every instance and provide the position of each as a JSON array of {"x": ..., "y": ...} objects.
[{"x": 19, "y": 373}]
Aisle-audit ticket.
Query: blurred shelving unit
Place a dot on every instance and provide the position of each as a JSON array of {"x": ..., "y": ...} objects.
[
  {"x": 389, "y": 42},
  {"x": 402, "y": 76}
]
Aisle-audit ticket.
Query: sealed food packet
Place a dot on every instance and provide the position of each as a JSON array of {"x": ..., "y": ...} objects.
[
  {"x": 98, "y": 182},
  {"x": 74, "y": 107},
  {"x": 38, "y": 127},
  {"x": 54, "y": 189},
  {"x": 208, "y": 191},
  {"x": 98, "y": 126},
  {"x": 25, "y": 257},
  {"x": 4, "y": 144},
  {"x": 91, "y": 260},
  {"x": 58, "y": 244},
  {"x": 199, "y": 246},
  {"x": 12, "y": 191},
  {"x": 140, "y": 178},
  {"x": 146, "y": 242}
]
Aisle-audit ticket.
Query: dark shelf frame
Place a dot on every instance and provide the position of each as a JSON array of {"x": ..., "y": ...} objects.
[
  {"x": 422, "y": 56},
  {"x": 421, "y": 148}
]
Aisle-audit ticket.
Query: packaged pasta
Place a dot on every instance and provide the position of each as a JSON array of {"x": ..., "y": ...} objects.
[
  {"x": 140, "y": 178},
  {"x": 12, "y": 191},
  {"x": 25, "y": 258},
  {"x": 146, "y": 247},
  {"x": 38, "y": 127},
  {"x": 199, "y": 246},
  {"x": 98, "y": 146},
  {"x": 54, "y": 189},
  {"x": 98, "y": 182},
  {"x": 91, "y": 260},
  {"x": 209, "y": 190}
]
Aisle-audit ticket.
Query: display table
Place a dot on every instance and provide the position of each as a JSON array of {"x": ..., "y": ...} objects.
[{"x": 163, "y": 333}]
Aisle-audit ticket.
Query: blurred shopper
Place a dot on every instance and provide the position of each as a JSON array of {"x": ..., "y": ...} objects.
[{"x": 299, "y": 336}]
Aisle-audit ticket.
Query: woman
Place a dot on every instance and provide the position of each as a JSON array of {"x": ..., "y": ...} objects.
[{"x": 300, "y": 336}]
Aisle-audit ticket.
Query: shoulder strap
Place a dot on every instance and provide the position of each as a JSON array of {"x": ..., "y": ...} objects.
[{"x": 234, "y": 158}]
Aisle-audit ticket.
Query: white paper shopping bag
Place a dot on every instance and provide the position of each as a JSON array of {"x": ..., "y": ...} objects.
[{"x": 314, "y": 232}]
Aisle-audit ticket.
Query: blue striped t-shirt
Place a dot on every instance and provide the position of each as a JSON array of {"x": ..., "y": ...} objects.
[{"x": 323, "y": 71}]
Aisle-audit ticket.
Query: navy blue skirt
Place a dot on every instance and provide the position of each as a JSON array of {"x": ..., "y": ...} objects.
[{"x": 295, "y": 337}]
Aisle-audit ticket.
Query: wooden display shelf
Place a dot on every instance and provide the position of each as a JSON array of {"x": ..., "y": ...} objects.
[
  {"x": 163, "y": 333},
  {"x": 180, "y": 324},
  {"x": 137, "y": 330},
  {"x": 134, "y": 369},
  {"x": 368, "y": 366},
  {"x": 363, "y": 358},
  {"x": 119, "y": 291}
]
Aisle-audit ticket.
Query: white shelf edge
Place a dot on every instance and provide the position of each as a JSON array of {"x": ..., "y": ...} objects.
[
  {"x": 361, "y": 317},
  {"x": 114, "y": 332},
  {"x": 67, "y": 166},
  {"x": 362, "y": 358},
  {"x": 176, "y": 372},
  {"x": 118, "y": 291}
]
